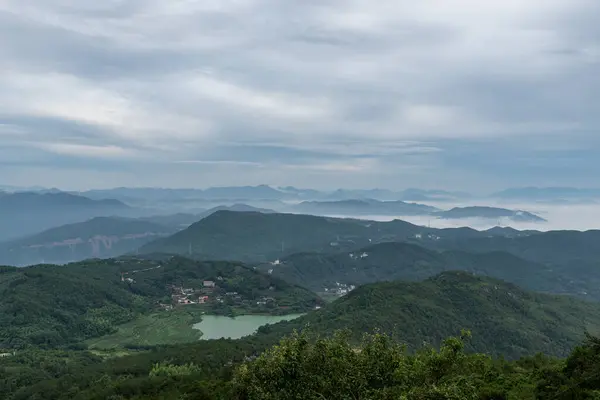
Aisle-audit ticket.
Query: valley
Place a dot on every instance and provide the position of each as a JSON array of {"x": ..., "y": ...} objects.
[{"x": 221, "y": 290}]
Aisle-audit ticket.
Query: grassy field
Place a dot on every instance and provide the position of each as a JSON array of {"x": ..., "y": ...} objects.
[{"x": 164, "y": 327}]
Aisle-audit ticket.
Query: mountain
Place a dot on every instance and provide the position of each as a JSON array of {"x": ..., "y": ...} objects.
[
  {"x": 260, "y": 237},
  {"x": 363, "y": 207},
  {"x": 265, "y": 237},
  {"x": 49, "y": 305},
  {"x": 12, "y": 188},
  {"x": 243, "y": 192},
  {"x": 99, "y": 237},
  {"x": 254, "y": 236},
  {"x": 174, "y": 221},
  {"x": 489, "y": 212},
  {"x": 432, "y": 195},
  {"x": 547, "y": 194},
  {"x": 235, "y": 208},
  {"x": 408, "y": 262},
  {"x": 26, "y": 213},
  {"x": 571, "y": 249},
  {"x": 510, "y": 232},
  {"x": 503, "y": 318},
  {"x": 350, "y": 194}
]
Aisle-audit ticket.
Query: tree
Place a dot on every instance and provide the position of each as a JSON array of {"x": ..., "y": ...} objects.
[{"x": 301, "y": 368}]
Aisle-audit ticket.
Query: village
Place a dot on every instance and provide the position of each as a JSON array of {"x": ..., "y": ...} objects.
[{"x": 211, "y": 293}]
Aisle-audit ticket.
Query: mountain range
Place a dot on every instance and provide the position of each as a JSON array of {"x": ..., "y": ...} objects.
[
  {"x": 290, "y": 192},
  {"x": 29, "y": 213},
  {"x": 569, "y": 257},
  {"x": 489, "y": 212},
  {"x": 409, "y": 262},
  {"x": 99, "y": 237},
  {"x": 372, "y": 207},
  {"x": 363, "y": 207}
]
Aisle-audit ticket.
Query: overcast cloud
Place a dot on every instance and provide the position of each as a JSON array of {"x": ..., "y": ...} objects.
[{"x": 459, "y": 94}]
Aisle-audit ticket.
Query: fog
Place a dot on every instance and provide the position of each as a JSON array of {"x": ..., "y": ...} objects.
[{"x": 560, "y": 217}]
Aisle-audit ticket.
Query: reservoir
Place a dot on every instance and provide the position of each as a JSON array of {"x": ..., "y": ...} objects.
[{"x": 218, "y": 327}]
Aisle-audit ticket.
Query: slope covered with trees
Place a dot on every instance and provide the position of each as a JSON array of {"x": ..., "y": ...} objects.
[
  {"x": 49, "y": 305},
  {"x": 404, "y": 261},
  {"x": 262, "y": 237},
  {"x": 505, "y": 319},
  {"x": 302, "y": 367}
]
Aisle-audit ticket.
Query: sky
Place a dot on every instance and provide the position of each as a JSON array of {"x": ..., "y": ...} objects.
[{"x": 450, "y": 94}]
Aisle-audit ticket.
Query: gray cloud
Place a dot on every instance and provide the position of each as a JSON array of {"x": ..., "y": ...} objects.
[{"x": 317, "y": 93}]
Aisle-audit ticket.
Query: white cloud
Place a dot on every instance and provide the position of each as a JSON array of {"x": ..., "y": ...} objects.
[
  {"x": 81, "y": 150},
  {"x": 338, "y": 79}
]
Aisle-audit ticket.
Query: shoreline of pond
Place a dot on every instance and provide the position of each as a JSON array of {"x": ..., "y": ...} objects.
[{"x": 222, "y": 327}]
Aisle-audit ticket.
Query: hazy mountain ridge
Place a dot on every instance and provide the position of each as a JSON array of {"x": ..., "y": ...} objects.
[
  {"x": 29, "y": 213},
  {"x": 99, "y": 237},
  {"x": 489, "y": 212},
  {"x": 356, "y": 207}
]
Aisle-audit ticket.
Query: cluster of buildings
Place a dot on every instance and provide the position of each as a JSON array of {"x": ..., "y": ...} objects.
[
  {"x": 184, "y": 296},
  {"x": 210, "y": 292},
  {"x": 340, "y": 289},
  {"x": 357, "y": 256}
]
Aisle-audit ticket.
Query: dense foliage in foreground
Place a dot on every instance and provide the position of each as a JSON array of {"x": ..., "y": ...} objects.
[{"x": 301, "y": 367}]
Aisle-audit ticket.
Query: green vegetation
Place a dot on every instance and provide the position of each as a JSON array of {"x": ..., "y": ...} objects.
[
  {"x": 253, "y": 236},
  {"x": 49, "y": 305},
  {"x": 505, "y": 320},
  {"x": 305, "y": 368},
  {"x": 404, "y": 261},
  {"x": 568, "y": 260},
  {"x": 265, "y": 237},
  {"x": 153, "y": 329}
]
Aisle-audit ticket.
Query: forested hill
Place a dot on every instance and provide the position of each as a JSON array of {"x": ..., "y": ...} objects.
[
  {"x": 252, "y": 236},
  {"x": 260, "y": 237},
  {"x": 504, "y": 319},
  {"x": 404, "y": 261},
  {"x": 50, "y": 305}
]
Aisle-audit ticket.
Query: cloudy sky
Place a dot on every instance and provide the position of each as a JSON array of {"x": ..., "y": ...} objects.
[{"x": 457, "y": 94}]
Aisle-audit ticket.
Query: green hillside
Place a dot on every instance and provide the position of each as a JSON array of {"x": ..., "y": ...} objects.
[
  {"x": 403, "y": 261},
  {"x": 261, "y": 237},
  {"x": 558, "y": 248},
  {"x": 302, "y": 368},
  {"x": 50, "y": 305},
  {"x": 504, "y": 319}
]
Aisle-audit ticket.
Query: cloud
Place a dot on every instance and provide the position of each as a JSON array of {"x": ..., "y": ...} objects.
[
  {"x": 317, "y": 93},
  {"x": 79, "y": 150}
]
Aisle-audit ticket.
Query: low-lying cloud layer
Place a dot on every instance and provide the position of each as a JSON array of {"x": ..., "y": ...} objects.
[{"x": 450, "y": 94}]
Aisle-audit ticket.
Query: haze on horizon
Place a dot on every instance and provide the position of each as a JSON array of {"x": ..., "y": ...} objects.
[{"x": 457, "y": 95}]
